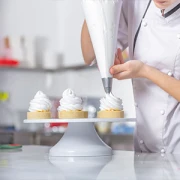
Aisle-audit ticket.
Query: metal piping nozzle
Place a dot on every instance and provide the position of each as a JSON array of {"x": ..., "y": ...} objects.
[{"x": 107, "y": 83}]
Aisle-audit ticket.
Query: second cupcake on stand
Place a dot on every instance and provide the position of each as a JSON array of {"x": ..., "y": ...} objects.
[{"x": 71, "y": 106}]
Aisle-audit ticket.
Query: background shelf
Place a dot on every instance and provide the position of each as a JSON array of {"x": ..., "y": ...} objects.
[{"x": 39, "y": 69}]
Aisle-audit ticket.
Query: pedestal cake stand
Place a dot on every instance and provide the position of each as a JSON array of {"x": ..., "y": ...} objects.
[{"x": 80, "y": 138}]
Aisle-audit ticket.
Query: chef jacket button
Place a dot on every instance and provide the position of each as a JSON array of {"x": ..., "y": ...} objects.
[
  {"x": 170, "y": 73},
  {"x": 162, "y": 112},
  {"x": 136, "y": 104},
  {"x": 163, "y": 150},
  {"x": 145, "y": 23},
  {"x": 178, "y": 36},
  {"x": 141, "y": 142}
]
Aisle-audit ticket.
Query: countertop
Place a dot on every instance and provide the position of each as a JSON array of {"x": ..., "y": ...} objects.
[{"x": 33, "y": 163}]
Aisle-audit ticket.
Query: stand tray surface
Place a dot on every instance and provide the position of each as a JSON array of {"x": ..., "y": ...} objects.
[{"x": 79, "y": 120}]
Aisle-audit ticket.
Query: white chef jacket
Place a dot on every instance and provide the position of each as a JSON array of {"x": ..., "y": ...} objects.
[
  {"x": 158, "y": 45},
  {"x": 153, "y": 166}
]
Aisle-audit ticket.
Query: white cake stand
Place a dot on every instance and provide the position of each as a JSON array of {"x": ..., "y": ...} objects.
[{"x": 80, "y": 138}]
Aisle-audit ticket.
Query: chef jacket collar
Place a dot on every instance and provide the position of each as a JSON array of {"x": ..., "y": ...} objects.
[
  {"x": 172, "y": 8},
  {"x": 171, "y": 12}
]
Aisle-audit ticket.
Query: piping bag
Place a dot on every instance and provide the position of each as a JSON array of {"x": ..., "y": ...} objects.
[{"x": 102, "y": 18}]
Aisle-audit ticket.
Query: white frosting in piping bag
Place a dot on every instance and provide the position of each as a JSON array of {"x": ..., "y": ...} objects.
[
  {"x": 40, "y": 103},
  {"x": 102, "y": 17},
  {"x": 110, "y": 102},
  {"x": 70, "y": 102}
]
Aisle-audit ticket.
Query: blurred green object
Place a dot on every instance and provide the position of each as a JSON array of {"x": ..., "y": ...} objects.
[{"x": 10, "y": 146}]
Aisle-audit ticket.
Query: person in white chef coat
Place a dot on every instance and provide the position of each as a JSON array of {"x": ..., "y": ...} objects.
[{"x": 151, "y": 30}]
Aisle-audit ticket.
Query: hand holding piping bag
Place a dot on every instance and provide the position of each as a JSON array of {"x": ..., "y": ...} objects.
[{"x": 125, "y": 70}]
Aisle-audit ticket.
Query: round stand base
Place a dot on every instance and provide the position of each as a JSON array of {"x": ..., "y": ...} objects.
[{"x": 80, "y": 139}]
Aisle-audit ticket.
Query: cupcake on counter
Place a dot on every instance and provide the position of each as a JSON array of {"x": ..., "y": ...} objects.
[
  {"x": 71, "y": 106},
  {"x": 40, "y": 107},
  {"x": 111, "y": 107}
]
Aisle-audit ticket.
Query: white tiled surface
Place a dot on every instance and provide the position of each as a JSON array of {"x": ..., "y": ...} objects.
[{"x": 33, "y": 163}]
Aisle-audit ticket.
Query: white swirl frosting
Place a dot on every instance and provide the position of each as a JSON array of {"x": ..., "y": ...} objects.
[
  {"x": 110, "y": 102},
  {"x": 70, "y": 102},
  {"x": 40, "y": 103}
]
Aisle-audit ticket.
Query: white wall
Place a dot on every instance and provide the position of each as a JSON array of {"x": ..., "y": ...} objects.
[
  {"x": 70, "y": 20},
  {"x": 29, "y": 17}
]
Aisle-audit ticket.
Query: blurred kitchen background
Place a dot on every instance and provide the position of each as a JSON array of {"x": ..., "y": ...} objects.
[{"x": 40, "y": 50}]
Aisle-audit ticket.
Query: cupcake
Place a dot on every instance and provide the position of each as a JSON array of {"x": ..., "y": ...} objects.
[
  {"x": 71, "y": 106},
  {"x": 110, "y": 107},
  {"x": 40, "y": 107}
]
